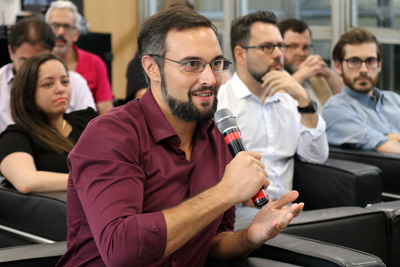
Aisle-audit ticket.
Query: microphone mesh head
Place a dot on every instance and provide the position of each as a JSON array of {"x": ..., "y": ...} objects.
[{"x": 225, "y": 120}]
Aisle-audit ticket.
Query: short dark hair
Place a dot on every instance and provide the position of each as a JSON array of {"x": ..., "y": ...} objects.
[
  {"x": 173, "y": 3},
  {"x": 31, "y": 30},
  {"x": 355, "y": 36},
  {"x": 240, "y": 27},
  {"x": 153, "y": 33},
  {"x": 295, "y": 25}
]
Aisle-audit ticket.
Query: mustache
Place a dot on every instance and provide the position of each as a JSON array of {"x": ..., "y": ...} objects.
[
  {"x": 205, "y": 88},
  {"x": 363, "y": 77},
  {"x": 61, "y": 38}
]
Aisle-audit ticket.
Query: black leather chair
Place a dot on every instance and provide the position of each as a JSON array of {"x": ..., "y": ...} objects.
[
  {"x": 392, "y": 210},
  {"x": 387, "y": 162},
  {"x": 31, "y": 218},
  {"x": 41, "y": 218},
  {"x": 351, "y": 227},
  {"x": 282, "y": 251},
  {"x": 336, "y": 183}
]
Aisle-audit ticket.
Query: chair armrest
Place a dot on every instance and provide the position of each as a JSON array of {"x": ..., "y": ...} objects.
[
  {"x": 307, "y": 252},
  {"x": 38, "y": 255},
  {"x": 389, "y": 163},
  {"x": 40, "y": 214},
  {"x": 336, "y": 183}
]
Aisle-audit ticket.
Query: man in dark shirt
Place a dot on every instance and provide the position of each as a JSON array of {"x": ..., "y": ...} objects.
[{"x": 150, "y": 182}]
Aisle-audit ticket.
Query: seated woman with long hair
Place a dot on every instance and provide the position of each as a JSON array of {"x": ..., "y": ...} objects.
[{"x": 33, "y": 152}]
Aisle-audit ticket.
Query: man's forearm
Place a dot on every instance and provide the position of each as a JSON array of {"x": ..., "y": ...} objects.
[
  {"x": 309, "y": 120},
  {"x": 229, "y": 245},
  {"x": 190, "y": 217}
]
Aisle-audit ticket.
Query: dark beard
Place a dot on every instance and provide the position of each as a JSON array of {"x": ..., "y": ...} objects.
[
  {"x": 290, "y": 68},
  {"x": 350, "y": 84},
  {"x": 257, "y": 75},
  {"x": 186, "y": 110}
]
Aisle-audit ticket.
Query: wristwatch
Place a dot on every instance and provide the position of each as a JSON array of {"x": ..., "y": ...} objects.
[{"x": 311, "y": 108}]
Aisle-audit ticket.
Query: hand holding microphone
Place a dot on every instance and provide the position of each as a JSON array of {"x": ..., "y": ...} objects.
[{"x": 226, "y": 124}]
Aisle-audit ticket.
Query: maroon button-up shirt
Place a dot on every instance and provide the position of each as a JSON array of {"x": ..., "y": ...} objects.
[{"x": 125, "y": 169}]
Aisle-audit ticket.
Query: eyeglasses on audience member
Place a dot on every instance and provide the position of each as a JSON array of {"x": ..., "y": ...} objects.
[
  {"x": 269, "y": 48},
  {"x": 309, "y": 49},
  {"x": 198, "y": 65},
  {"x": 67, "y": 27},
  {"x": 355, "y": 63}
]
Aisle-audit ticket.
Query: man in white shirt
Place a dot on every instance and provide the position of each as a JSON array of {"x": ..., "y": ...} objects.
[
  {"x": 28, "y": 37},
  {"x": 274, "y": 112}
]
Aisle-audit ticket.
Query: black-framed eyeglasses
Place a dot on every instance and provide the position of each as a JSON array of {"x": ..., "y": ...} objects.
[
  {"x": 198, "y": 65},
  {"x": 67, "y": 27},
  {"x": 307, "y": 48},
  {"x": 355, "y": 63},
  {"x": 269, "y": 48}
]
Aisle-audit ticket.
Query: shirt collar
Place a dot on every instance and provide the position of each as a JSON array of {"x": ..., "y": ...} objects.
[
  {"x": 242, "y": 91},
  {"x": 364, "y": 98},
  {"x": 158, "y": 124},
  {"x": 9, "y": 73},
  {"x": 77, "y": 51}
]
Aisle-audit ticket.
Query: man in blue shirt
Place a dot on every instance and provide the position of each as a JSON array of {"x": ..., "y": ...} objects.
[{"x": 362, "y": 116}]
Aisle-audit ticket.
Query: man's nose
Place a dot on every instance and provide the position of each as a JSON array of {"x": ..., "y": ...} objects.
[
  {"x": 207, "y": 77},
  {"x": 363, "y": 67},
  {"x": 276, "y": 52}
]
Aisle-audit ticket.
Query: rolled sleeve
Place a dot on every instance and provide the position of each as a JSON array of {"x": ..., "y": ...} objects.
[{"x": 313, "y": 143}]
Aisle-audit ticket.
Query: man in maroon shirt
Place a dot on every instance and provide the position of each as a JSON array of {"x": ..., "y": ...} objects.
[{"x": 150, "y": 182}]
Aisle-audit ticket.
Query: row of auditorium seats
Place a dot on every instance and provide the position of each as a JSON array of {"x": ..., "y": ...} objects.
[{"x": 336, "y": 229}]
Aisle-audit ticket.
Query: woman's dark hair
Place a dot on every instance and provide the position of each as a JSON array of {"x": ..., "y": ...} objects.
[{"x": 25, "y": 111}]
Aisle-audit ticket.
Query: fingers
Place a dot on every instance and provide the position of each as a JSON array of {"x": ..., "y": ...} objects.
[
  {"x": 285, "y": 200},
  {"x": 313, "y": 59}
]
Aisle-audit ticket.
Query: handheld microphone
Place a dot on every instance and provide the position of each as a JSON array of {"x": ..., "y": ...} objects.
[{"x": 227, "y": 125}]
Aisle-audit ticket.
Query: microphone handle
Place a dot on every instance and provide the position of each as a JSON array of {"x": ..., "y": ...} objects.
[{"x": 235, "y": 144}]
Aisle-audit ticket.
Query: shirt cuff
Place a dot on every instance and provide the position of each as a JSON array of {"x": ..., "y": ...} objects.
[
  {"x": 152, "y": 234},
  {"x": 375, "y": 142},
  {"x": 317, "y": 131}
]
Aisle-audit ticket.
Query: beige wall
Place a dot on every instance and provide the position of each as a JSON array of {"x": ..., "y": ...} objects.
[{"x": 119, "y": 18}]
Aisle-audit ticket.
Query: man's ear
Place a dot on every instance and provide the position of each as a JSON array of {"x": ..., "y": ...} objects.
[
  {"x": 338, "y": 66},
  {"x": 380, "y": 66},
  {"x": 76, "y": 35},
  {"x": 11, "y": 53},
  {"x": 151, "y": 68},
  {"x": 240, "y": 55}
]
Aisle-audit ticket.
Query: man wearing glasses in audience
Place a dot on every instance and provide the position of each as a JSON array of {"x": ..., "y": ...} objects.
[
  {"x": 274, "y": 112},
  {"x": 64, "y": 19},
  {"x": 362, "y": 116},
  {"x": 309, "y": 70}
]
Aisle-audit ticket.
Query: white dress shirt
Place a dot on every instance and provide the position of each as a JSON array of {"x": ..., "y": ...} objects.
[
  {"x": 273, "y": 128},
  {"x": 81, "y": 96}
]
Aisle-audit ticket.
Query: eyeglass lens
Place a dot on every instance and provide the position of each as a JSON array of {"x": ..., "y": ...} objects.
[
  {"x": 355, "y": 63},
  {"x": 218, "y": 65}
]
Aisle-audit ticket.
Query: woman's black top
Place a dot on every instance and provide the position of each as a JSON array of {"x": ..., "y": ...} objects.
[{"x": 15, "y": 138}]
